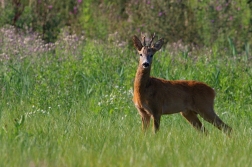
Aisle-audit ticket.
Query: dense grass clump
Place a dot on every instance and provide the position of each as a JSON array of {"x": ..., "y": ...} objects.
[{"x": 70, "y": 105}]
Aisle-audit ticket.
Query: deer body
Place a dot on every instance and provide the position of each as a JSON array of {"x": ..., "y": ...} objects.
[
  {"x": 176, "y": 96},
  {"x": 154, "y": 97}
]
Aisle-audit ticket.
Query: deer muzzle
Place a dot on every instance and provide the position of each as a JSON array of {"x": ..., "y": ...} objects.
[{"x": 146, "y": 65}]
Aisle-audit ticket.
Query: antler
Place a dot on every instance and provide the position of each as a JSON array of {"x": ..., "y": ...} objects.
[
  {"x": 143, "y": 40},
  {"x": 152, "y": 38}
]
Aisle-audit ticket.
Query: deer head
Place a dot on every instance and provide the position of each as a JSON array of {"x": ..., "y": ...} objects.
[{"x": 146, "y": 52}]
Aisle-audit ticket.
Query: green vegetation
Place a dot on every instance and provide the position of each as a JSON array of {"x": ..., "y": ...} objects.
[
  {"x": 67, "y": 71},
  {"x": 198, "y": 23},
  {"x": 70, "y": 105}
]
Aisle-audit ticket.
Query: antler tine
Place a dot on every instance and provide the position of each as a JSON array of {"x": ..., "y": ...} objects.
[
  {"x": 143, "y": 40},
  {"x": 152, "y": 38}
]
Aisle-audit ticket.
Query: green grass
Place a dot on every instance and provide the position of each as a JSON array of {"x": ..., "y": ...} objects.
[{"x": 65, "y": 109}]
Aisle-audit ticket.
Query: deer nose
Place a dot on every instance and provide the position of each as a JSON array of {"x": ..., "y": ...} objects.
[{"x": 146, "y": 65}]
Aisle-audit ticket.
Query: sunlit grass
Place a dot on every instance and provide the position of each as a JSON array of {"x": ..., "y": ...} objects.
[{"x": 59, "y": 109}]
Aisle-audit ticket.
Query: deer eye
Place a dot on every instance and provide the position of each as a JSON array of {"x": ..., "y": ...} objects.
[{"x": 140, "y": 54}]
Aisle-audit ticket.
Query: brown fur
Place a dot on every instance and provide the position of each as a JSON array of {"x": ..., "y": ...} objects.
[{"x": 154, "y": 97}]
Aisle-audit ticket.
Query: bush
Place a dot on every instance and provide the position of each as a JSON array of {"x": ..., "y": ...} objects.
[{"x": 198, "y": 23}]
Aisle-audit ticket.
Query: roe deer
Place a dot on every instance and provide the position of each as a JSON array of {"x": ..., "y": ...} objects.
[{"x": 154, "y": 97}]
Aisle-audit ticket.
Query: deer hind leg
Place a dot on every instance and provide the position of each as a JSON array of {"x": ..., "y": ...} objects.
[
  {"x": 211, "y": 117},
  {"x": 192, "y": 118}
]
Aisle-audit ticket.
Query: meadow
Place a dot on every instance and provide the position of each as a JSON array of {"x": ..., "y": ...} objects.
[{"x": 70, "y": 104}]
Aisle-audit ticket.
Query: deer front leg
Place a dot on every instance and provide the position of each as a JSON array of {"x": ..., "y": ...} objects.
[
  {"x": 145, "y": 122},
  {"x": 145, "y": 119},
  {"x": 156, "y": 122}
]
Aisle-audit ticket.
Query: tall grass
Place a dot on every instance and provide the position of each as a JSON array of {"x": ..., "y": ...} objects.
[{"x": 71, "y": 106}]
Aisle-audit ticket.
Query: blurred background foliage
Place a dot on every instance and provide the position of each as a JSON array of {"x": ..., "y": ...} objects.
[{"x": 196, "y": 23}]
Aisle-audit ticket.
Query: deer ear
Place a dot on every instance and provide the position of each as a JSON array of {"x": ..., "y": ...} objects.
[
  {"x": 158, "y": 44},
  {"x": 137, "y": 43}
]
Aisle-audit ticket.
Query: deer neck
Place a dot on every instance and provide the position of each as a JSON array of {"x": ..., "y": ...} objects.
[{"x": 142, "y": 79}]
